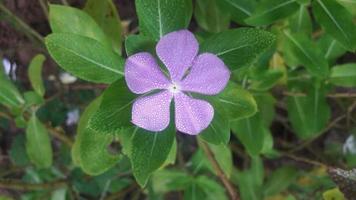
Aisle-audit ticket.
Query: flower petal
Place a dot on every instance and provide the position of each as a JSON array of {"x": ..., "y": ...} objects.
[
  {"x": 152, "y": 112},
  {"x": 177, "y": 51},
  {"x": 192, "y": 115},
  {"x": 208, "y": 75},
  {"x": 142, "y": 74}
]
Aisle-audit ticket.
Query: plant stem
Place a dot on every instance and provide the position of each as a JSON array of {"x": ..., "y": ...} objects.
[
  {"x": 59, "y": 134},
  {"x": 230, "y": 188},
  {"x": 19, "y": 185},
  {"x": 332, "y": 95},
  {"x": 31, "y": 33},
  {"x": 44, "y": 7}
]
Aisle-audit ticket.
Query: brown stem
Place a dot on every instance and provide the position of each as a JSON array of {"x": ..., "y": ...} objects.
[
  {"x": 332, "y": 95},
  {"x": 59, "y": 134},
  {"x": 19, "y": 185},
  {"x": 230, "y": 188}
]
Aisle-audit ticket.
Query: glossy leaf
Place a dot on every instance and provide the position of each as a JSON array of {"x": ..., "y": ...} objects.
[
  {"x": 203, "y": 187},
  {"x": 331, "y": 48},
  {"x": 269, "y": 11},
  {"x": 114, "y": 112},
  {"x": 223, "y": 156},
  {"x": 90, "y": 150},
  {"x": 9, "y": 94},
  {"x": 139, "y": 43},
  {"x": 344, "y": 75},
  {"x": 35, "y": 74},
  {"x": 235, "y": 102},
  {"x": 239, "y": 9},
  {"x": 336, "y": 21},
  {"x": 218, "y": 132},
  {"x": 250, "y": 132},
  {"x": 149, "y": 151},
  {"x": 210, "y": 16},
  {"x": 308, "y": 114},
  {"x": 238, "y": 47},
  {"x": 307, "y": 54},
  {"x": 159, "y": 17},
  {"x": 301, "y": 21},
  {"x": 85, "y": 57},
  {"x": 65, "y": 19},
  {"x": 107, "y": 17},
  {"x": 170, "y": 180},
  {"x": 38, "y": 144}
]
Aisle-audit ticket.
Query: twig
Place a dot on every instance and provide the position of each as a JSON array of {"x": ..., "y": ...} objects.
[
  {"x": 305, "y": 160},
  {"x": 59, "y": 134},
  {"x": 44, "y": 7},
  {"x": 230, "y": 188},
  {"x": 332, "y": 95},
  {"x": 19, "y": 185},
  {"x": 27, "y": 29}
]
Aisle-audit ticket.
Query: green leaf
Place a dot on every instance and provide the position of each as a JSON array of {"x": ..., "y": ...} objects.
[
  {"x": 169, "y": 180},
  {"x": 223, "y": 156},
  {"x": 85, "y": 58},
  {"x": 9, "y": 95},
  {"x": 106, "y": 15},
  {"x": 35, "y": 74},
  {"x": 331, "y": 48},
  {"x": 344, "y": 75},
  {"x": 218, "y": 132},
  {"x": 333, "y": 194},
  {"x": 90, "y": 150},
  {"x": 114, "y": 112},
  {"x": 159, "y": 17},
  {"x": 308, "y": 54},
  {"x": 205, "y": 188},
  {"x": 308, "y": 114},
  {"x": 280, "y": 180},
  {"x": 210, "y": 16},
  {"x": 266, "y": 80},
  {"x": 17, "y": 152},
  {"x": 149, "y": 151},
  {"x": 269, "y": 11},
  {"x": 336, "y": 21},
  {"x": 239, "y": 9},
  {"x": 65, "y": 19},
  {"x": 139, "y": 43},
  {"x": 38, "y": 144},
  {"x": 238, "y": 47},
  {"x": 235, "y": 102},
  {"x": 301, "y": 21},
  {"x": 250, "y": 132},
  {"x": 247, "y": 185}
]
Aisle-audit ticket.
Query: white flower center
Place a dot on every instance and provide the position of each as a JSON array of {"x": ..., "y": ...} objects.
[{"x": 174, "y": 88}]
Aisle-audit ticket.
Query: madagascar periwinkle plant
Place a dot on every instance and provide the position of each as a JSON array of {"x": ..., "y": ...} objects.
[{"x": 180, "y": 99}]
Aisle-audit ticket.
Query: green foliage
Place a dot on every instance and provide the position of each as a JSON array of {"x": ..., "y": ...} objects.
[
  {"x": 149, "y": 151},
  {"x": 90, "y": 150},
  {"x": 238, "y": 47},
  {"x": 107, "y": 17},
  {"x": 9, "y": 94},
  {"x": 38, "y": 144},
  {"x": 35, "y": 74},
  {"x": 307, "y": 54},
  {"x": 116, "y": 104},
  {"x": 309, "y": 114},
  {"x": 159, "y": 17},
  {"x": 344, "y": 75},
  {"x": 84, "y": 57},
  {"x": 268, "y": 11},
  {"x": 336, "y": 21},
  {"x": 64, "y": 19},
  {"x": 210, "y": 16}
]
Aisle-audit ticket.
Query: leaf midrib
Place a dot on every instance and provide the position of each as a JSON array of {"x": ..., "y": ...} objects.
[
  {"x": 274, "y": 8},
  {"x": 91, "y": 60},
  {"x": 333, "y": 19}
]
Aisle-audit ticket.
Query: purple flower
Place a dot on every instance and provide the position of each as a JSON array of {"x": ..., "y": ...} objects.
[{"x": 188, "y": 73}]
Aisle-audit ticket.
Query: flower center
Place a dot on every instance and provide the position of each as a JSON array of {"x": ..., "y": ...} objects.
[{"x": 174, "y": 88}]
